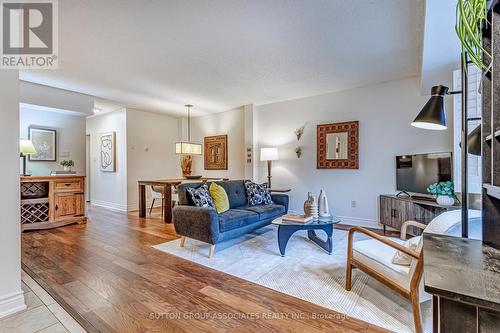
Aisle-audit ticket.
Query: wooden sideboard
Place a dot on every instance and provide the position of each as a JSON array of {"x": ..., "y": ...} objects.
[
  {"x": 52, "y": 201},
  {"x": 394, "y": 211}
]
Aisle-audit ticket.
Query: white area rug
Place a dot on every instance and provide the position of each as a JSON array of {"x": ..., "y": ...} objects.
[{"x": 308, "y": 273}]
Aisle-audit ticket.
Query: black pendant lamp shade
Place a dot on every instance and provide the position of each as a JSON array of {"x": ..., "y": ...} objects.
[
  {"x": 433, "y": 114},
  {"x": 474, "y": 141}
]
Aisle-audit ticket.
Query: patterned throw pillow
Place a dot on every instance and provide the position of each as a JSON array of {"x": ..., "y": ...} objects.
[
  {"x": 201, "y": 197},
  {"x": 257, "y": 194}
]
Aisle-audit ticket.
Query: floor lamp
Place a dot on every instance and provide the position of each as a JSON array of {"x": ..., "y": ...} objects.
[
  {"x": 269, "y": 155},
  {"x": 433, "y": 117}
]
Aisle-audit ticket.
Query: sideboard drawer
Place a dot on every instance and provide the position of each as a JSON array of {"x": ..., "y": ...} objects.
[{"x": 69, "y": 185}]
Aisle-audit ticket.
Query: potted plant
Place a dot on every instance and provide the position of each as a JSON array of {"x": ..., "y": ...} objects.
[
  {"x": 443, "y": 192},
  {"x": 299, "y": 131},
  {"x": 67, "y": 164},
  {"x": 298, "y": 151},
  {"x": 471, "y": 19}
]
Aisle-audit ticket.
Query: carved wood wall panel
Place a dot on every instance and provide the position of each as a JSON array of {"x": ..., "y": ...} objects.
[{"x": 215, "y": 154}]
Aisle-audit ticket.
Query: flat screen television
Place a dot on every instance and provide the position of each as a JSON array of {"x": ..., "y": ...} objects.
[{"x": 414, "y": 173}]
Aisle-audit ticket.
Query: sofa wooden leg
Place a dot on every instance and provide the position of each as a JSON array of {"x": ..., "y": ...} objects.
[
  {"x": 183, "y": 241},
  {"x": 348, "y": 276},
  {"x": 416, "y": 311},
  {"x": 212, "y": 249}
]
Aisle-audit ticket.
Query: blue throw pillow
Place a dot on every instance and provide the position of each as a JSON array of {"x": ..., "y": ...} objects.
[
  {"x": 201, "y": 196},
  {"x": 257, "y": 194}
]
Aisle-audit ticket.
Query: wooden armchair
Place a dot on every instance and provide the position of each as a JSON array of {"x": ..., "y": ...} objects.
[{"x": 374, "y": 257}]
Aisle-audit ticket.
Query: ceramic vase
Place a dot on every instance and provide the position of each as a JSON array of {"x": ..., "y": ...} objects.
[
  {"x": 324, "y": 211},
  {"x": 445, "y": 200},
  {"x": 311, "y": 206}
]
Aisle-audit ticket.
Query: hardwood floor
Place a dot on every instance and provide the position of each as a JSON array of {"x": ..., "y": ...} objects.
[{"x": 107, "y": 275}]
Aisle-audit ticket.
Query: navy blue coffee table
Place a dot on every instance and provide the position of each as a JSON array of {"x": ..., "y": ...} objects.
[{"x": 286, "y": 229}]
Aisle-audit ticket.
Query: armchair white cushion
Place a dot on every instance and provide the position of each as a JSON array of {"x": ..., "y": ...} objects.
[{"x": 378, "y": 256}]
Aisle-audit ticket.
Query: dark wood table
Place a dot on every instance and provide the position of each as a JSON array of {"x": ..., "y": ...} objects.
[
  {"x": 167, "y": 193},
  {"x": 463, "y": 277}
]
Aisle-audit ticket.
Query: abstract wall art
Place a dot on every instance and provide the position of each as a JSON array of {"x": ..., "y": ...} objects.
[{"x": 107, "y": 148}]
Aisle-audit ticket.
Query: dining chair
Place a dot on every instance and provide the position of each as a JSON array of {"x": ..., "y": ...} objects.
[{"x": 157, "y": 193}]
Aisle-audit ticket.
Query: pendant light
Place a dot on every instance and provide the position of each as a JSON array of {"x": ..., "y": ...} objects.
[{"x": 188, "y": 148}]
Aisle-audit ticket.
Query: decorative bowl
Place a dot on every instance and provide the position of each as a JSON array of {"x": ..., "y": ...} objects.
[{"x": 193, "y": 177}]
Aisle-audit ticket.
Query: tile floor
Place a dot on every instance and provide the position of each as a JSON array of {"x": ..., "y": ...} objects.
[{"x": 43, "y": 314}]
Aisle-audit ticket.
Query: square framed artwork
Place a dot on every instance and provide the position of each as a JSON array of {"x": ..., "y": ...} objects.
[
  {"x": 343, "y": 155},
  {"x": 215, "y": 155},
  {"x": 45, "y": 142},
  {"x": 107, "y": 150}
]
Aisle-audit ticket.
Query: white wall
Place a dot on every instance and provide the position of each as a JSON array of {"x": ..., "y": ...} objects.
[
  {"x": 150, "y": 150},
  {"x": 11, "y": 295},
  {"x": 109, "y": 189},
  {"x": 384, "y": 112},
  {"x": 70, "y": 138},
  {"x": 37, "y": 94},
  {"x": 231, "y": 123},
  {"x": 440, "y": 46}
]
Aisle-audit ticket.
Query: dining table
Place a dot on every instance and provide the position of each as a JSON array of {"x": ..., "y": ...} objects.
[{"x": 167, "y": 185}]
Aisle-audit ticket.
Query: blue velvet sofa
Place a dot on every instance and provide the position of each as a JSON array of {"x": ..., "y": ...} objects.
[{"x": 204, "y": 224}]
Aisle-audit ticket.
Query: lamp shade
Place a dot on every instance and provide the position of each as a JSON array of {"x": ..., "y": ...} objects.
[
  {"x": 26, "y": 147},
  {"x": 187, "y": 148},
  {"x": 474, "y": 141},
  {"x": 269, "y": 154},
  {"x": 433, "y": 114}
]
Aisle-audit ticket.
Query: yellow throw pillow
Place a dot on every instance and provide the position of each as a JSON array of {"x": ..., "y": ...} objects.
[{"x": 219, "y": 196}]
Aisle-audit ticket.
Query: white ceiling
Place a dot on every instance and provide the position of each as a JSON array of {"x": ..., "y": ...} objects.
[{"x": 220, "y": 54}]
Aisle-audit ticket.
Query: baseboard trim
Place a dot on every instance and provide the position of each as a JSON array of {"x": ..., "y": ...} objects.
[
  {"x": 109, "y": 205},
  {"x": 359, "y": 221},
  {"x": 12, "y": 303},
  {"x": 135, "y": 207}
]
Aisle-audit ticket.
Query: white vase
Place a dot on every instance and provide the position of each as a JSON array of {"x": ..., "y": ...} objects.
[
  {"x": 66, "y": 168},
  {"x": 324, "y": 211},
  {"x": 445, "y": 200}
]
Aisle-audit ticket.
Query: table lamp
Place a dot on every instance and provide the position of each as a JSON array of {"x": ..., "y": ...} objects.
[
  {"x": 269, "y": 155},
  {"x": 26, "y": 147}
]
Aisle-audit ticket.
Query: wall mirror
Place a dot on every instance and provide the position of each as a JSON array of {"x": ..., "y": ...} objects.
[{"x": 337, "y": 146}]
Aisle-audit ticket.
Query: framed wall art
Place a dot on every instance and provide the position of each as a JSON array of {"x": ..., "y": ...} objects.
[
  {"x": 215, "y": 154},
  {"x": 45, "y": 142},
  {"x": 107, "y": 149}
]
